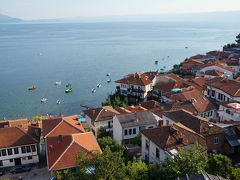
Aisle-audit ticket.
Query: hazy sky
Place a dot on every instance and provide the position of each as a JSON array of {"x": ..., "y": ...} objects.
[{"x": 46, "y": 9}]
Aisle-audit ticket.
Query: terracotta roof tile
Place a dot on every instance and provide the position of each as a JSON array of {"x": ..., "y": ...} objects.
[
  {"x": 150, "y": 104},
  {"x": 173, "y": 136},
  {"x": 14, "y": 136},
  {"x": 214, "y": 72}
]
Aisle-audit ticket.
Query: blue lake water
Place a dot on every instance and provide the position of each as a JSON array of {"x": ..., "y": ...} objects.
[{"x": 82, "y": 54}]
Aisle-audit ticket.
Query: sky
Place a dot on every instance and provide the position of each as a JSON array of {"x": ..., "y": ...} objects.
[{"x": 50, "y": 9}]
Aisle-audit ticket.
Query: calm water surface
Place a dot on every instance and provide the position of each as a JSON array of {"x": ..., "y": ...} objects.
[{"x": 82, "y": 54}]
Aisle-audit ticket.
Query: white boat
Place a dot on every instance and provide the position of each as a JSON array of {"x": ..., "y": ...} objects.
[
  {"x": 40, "y": 54},
  {"x": 108, "y": 74},
  {"x": 43, "y": 100},
  {"x": 93, "y": 90},
  {"x": 58, "y": 83},
  {"x": 58, "y": 101},
  {"x": 99, "y": 85},
  {"x": 109, "y": 80}
]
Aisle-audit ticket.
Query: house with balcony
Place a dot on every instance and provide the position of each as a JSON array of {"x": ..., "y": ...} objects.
[
  {"x": 127, "y": 126},
  {"x": 213, "y": 133},
  {"x": 17, "y": 147},
  {"x": 223, "y": 89},
  {"x": 137, "y": 86},
  {"x": 164, "y": 141},
  {"x": 100, "y": 118},
  {"x": 229, "y": 111}
]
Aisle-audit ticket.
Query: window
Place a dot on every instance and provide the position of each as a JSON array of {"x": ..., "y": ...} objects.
[
  {"x": 109, "y": 124},
  {"x": 208, "y": 92},
  {"x": 4, "y": 152},
  {"x": 1, "y": 164},
  {"x": 134, "y": 130},
  {"x": 216, "y": 139},
  {"x": 33, "y": 148},
  {"x": 16, "y": 151},
  {"x": 0, "y": 153},
  {"x": 157, "y": 153},
  {"x": 130, "y": 131},
  {"x": 9, "y": 151},
  {"x": 210, "y": 113},
  {"x": 213, "y": 93},
  {"x": 28, "y": 149},
  {"x": 147, "y": 145},
  {"x": 11, "y": 160},
  {"x": 23, "y": 148},
  {"x": 150, "y": 127},
  {"x": 125, "y": 132},
  {"x": 29, "y": 157}
]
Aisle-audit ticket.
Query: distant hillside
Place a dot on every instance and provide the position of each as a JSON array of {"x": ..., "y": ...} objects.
[
  {"x": 224, "y": 17},
  {"x": 8, "y": 19}
]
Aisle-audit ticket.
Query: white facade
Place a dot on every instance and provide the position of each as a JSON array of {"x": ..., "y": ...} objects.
[
  {"x": 96, "y": 126},
  {"x": 228, "y": 114},
  {"x": 213, "y": 67},
  {"x": 18, "y": 155},
  {"x": 151, "y": 152},
  {"x": 120, "y": 134},
  {"x": 219, "y": 95}
]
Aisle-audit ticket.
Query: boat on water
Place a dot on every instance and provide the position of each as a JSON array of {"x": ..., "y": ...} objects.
[
  {"x": 32, "y": 88},
  {"x": 58, "y": 102},
  {"x": 40, "y": 54},
  {"x": 186, "y": 47},
  {"x": 109, "y": 80},
  {"x": 93, "y": 90},
  {"x": 99, "y": 85},
  {"x": 156, "y": 62},
  {"x": 68, "y": 85},
  {"x": 43, "y": 100},
  {"x": 58, "y": 83},
  {"x": 68, "y": 90},
  {"x": 108, "y": 74}
]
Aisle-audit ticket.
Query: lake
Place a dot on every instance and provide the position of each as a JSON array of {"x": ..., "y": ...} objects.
[{"x": 83, "y": 53}]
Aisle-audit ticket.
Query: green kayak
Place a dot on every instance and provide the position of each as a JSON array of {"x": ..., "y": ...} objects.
[{"x": 68, "y": 90}]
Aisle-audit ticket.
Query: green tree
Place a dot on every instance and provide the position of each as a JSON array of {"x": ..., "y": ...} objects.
[
  {"x": 37, "y": 119},
  {"x": 190, "y": 162},
  {"x": 221, "y": 165},
  {"x": 108, "y": 165},
  {"x": 137, "y": 170},
  {"x": 238, "y": 38},
  {"x": 137, "y": 140},
  {"x": 235, "y": 175}
]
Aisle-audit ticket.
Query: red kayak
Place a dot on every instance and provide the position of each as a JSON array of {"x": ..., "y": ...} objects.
[{"x": 32, "y": 88}]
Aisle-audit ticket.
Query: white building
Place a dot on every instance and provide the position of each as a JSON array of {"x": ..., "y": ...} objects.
[
  {"x": 100, "y": 118},
  {"x": 229, "y": 111},
  {"x": 223, "y": 89},
  {"x": 128, "y": 126},
  {"x": 164, "y": 141},
  {"x": 137, "y": 85},
  {"x": 207, "y": 67},
  {"x": 17, "y": 147}
]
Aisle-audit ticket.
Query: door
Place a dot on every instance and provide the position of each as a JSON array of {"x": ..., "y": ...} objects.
[{"x": 17, "y": 161}]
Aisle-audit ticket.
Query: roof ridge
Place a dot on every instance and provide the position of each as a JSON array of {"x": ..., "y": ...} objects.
[
  {"x": 71, "y": 124},
  {"x": 53, "y": 128},
  {"x": 62, "y": 154},
  {"x": 26, "y": 133},
  {"x": 188, "y": 129}
]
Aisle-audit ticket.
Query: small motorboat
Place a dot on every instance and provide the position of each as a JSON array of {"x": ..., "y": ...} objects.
[
  {"x": 164, "y": 66},
  {"x": 58, "y": 102},
  {"x": 109, "y": 80},
  {"x": 68, "y": 85},
  {"x": 32, "y": 88},
  {"x": 186, "y": 47},
  {"x": 43, "y": 100},
  {"x": 58, "y": 83},
  {"x": 99, "y": 85},
  {"x": 40, "y": 54},
  {"x": 93, "y": 90},
  {"x": 162, "y": 69},
  {"x": 108, "y": 74},
  {"x": 156, "y": 62},
  {"x": 68, "y": 90}
]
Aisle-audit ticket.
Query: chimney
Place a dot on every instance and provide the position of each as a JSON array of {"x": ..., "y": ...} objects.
[
  {"x": 50, "y": 148},
  {"x": 60, "y": 138},
  {"x": 160, "y": 123}
]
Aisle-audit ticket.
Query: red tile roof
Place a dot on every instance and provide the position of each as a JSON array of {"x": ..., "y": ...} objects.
[
  {"x": 213, "y": 72},
  {"x": 62, "y": 150},
  {"x": 215, "y": 64},
  {"x": 196, "y": 123},
  {"x": 173, "y": 136},
  {"x": 14, "y": 136},
  {"x": 139, "y": 79},
  {"x": 101, "y": 114},
  {"x": 150, "y": 104},
  {"x": 64, "y": 126},
  {"x": 229, "y": 86}
]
